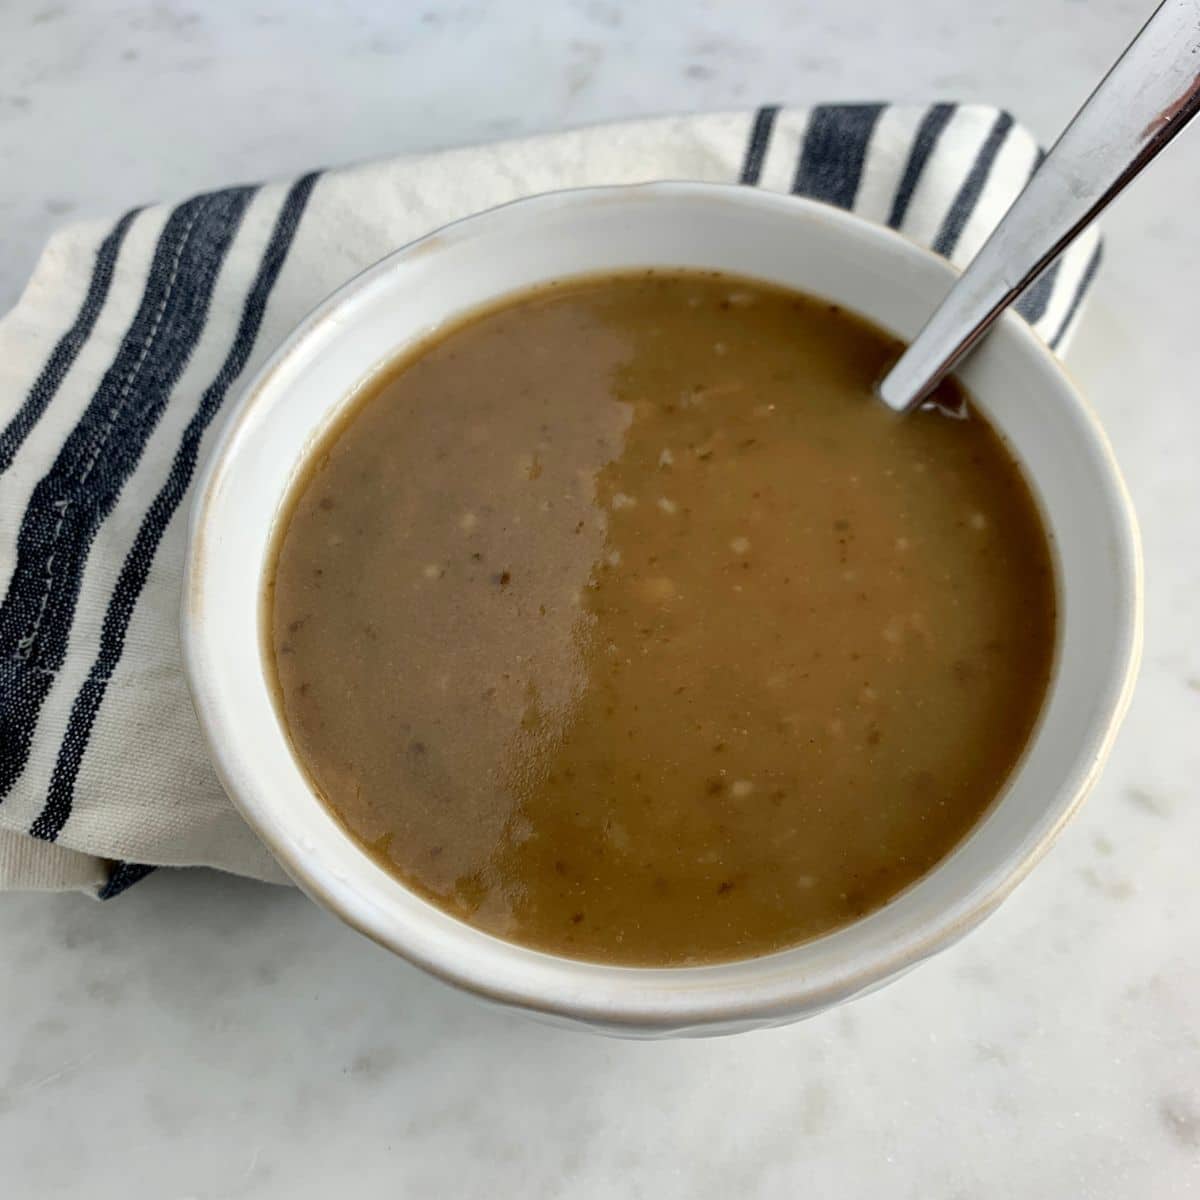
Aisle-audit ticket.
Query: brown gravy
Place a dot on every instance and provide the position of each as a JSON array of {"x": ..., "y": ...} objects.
[{"x": 622, "y": 622}]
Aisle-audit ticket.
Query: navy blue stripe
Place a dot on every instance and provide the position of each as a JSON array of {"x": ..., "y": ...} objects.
[
  {"x": 78, "y": 492},
  {"x": 835, "y": 147},
  {"x": 1034, "y": 300},
  {"x": 67, "y": 350},
  {"x": 760, "y": 140},
  {"x": 924, "y": 144},
  {"x": 972, "y": 188},
  {"x": 1081, "y": 290},
  {"x": 121, "y": 876},
  {"x": 140, "y": 558}
]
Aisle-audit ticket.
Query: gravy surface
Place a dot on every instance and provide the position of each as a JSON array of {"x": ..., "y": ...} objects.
[{"x": 621, "y": 621}]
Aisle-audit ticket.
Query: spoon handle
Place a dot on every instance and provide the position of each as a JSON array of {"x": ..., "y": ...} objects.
[{"x": 1151, "y": 92}]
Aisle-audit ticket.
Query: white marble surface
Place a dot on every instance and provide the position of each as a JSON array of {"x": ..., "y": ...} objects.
[{"x": 205, "y": 1037}]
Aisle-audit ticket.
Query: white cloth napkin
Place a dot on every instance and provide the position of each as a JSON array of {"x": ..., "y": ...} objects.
[{"x": 127, "y": 350}]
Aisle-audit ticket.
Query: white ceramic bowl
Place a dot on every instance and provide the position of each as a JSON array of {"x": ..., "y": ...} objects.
[{"x": 804, "y": 245}]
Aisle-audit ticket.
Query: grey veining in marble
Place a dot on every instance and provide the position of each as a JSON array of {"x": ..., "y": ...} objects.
[{"x": 210, "y": 1038}]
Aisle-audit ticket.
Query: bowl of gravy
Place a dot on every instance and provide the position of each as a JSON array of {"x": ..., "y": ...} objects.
[{"x": 564, "y": 612}]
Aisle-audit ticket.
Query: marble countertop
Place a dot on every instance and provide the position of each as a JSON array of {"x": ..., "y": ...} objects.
[{"x": 207, "y": 1037}]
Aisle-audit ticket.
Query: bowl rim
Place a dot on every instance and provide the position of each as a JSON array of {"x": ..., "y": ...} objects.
[{"x": 682, "y": 999}]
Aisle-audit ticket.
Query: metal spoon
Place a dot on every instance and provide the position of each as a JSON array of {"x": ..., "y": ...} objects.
[{"x": 1140, "y": 105}]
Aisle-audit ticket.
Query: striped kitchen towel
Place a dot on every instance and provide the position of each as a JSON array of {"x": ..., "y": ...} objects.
[{"x": 128, "y": 347}]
